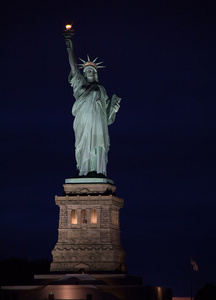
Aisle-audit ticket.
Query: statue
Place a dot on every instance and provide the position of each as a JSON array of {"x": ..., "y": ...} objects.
[{"x": 93, "y": 111}]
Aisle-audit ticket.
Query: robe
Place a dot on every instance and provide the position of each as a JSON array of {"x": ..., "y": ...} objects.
[{"x": 93, "y": 111}]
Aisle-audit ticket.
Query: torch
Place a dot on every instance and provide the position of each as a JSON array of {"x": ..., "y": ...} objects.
[{"x": 68, "y": 31}]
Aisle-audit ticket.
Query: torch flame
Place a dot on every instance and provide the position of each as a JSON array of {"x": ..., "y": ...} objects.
[{"x": 68, "y": 26}]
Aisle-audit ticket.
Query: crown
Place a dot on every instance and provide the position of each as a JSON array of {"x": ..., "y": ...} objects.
[{"x": 90, "y": 63}]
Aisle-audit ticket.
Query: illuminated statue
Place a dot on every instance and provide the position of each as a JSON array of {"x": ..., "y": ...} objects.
[{"x": 93, "y": 111}]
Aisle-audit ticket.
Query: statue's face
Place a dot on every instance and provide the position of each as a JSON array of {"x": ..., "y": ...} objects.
[{"x": 90, "y": 74}]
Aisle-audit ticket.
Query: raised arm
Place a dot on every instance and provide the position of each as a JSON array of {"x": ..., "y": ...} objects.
[{"x": 71, "y": 56}]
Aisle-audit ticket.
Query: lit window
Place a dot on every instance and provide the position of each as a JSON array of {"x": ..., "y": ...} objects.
[
  {"x": 94, "y": 216},
  {"x": 74, "y": 216}
]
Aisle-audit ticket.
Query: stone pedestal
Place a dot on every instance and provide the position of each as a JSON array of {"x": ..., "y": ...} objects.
[{"x": 89, "y": 231}]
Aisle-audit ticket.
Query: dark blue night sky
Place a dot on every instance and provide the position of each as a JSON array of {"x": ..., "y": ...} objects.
[{"x": 160, "y": 59}]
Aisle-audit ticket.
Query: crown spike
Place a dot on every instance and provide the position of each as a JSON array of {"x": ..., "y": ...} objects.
[
  {"x": 99, "y": 63},
  {"x": 90, "y": 63},
  {"x": 82, "y": 60}
]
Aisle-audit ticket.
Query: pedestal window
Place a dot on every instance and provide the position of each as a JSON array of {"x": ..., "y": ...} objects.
[
  {"x": 74, "y": 219},
  {"x": 84, "y": 216},
  {"x": 93, "y": 216}
]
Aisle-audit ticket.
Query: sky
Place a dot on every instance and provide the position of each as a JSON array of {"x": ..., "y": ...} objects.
[{"x": 160, "y": 59}]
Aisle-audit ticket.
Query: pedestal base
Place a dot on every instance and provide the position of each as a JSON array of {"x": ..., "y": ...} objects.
[
  {"x": 87, "y": 259},
  {"x": 89, "y": 231}
]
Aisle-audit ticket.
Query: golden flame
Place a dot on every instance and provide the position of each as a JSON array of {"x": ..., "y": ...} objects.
[{"x": 68, "y": 26}]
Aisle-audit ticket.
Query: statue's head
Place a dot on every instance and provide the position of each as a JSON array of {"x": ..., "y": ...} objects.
[
  {"x": 90, "y": 73},
  {"x": 90, "y": 69}
]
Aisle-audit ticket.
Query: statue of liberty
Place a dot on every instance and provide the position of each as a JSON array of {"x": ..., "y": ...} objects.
[{"x": 93, "y": 111}]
